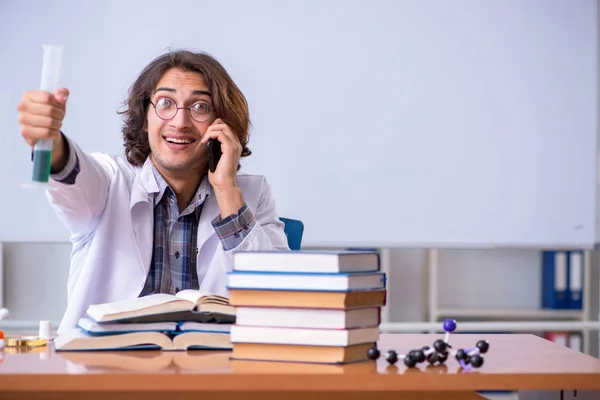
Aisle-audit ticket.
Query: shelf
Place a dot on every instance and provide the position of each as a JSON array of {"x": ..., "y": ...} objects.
[
  {"x": 508, "y": 313},
  {"x": 508, "y": 319},
  {"x": 22, "y": 327},
  {"x": 507, "y": 326}
]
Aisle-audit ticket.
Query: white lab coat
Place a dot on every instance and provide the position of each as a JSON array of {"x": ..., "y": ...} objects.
[{"x": 109, "y": 212}]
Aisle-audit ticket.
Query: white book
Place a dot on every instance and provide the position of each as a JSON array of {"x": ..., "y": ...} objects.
[
  {"x": 306, "y": 261},
  {"x": 308, "y": 317},
  {"x": 191, "y": 326},
  {"x": 299, "y": 336},
  {"x": 575, "y": 279},
  {"x": 290, "y": 281}
]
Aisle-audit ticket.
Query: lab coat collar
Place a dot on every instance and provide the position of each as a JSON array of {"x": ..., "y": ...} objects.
[
  {"x": 144, "y": 185},
  {"x": 141, "y": 208},
  {"x": 210, "y": 210}
]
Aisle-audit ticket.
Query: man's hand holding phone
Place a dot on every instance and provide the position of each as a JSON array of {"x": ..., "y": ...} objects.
[{"x": 223, "y": 179}]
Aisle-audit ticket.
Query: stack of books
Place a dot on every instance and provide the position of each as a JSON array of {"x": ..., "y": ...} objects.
[
  {"x": 303, "y": 306},
  {"x": 188, "y": 320}
]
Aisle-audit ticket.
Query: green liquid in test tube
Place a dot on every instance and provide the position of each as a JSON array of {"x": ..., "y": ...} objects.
[{"x": 42, "y": 151}]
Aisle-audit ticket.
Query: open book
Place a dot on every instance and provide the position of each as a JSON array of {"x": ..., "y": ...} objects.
[
  {"x": 186, "y": 305},
  {"x": 165, "y": 361},
  {"x": 76, "y": 339}
]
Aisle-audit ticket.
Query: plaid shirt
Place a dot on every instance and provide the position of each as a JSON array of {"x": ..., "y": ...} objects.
[{"x": 173, "y": 266}]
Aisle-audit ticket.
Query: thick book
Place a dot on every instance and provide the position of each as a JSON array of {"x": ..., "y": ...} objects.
[
  {"x": 186, "y": 305},
  {"x": 555, "y": 290},
  {"x": 308, "y": 317},
  {"x": 307, "y": 261},
  {"x": 301, "y": 336},
  {"x": 306, "y": 281},
  {"x": 309, "y": 299},
  {"x": 78, "y": 340},
  {"x": 307, "y": 354},
  {"x": 575, "y": 274}
]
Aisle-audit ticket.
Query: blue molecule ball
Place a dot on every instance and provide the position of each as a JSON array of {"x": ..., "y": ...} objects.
[{"x": 449, "y": 325}]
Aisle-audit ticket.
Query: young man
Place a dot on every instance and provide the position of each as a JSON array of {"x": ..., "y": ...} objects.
[{"x": 157, "y": 220}]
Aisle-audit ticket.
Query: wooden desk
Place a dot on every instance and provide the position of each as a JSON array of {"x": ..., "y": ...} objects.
[{"x": 514, "y": 362}]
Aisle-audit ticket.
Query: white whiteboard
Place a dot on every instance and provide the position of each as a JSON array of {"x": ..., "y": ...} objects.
[{"x": 378, "y": 123}]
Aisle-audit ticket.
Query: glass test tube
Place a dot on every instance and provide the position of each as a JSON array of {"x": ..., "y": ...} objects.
[{"x": 42, "y": 151}]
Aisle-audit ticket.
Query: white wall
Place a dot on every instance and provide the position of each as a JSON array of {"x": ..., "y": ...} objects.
[
  {"x": 456, "y": 118},
  {"x": 490, "y": 278}
]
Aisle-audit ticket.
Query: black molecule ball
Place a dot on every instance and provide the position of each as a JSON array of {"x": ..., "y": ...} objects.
[
  {"x": 432, "y": 358},
  {"x": 442, "y": 357},
  {"x": 373, "y": 353},
  {"x": 440, "y": 346},
  {"x": 483, "y": 346},
  {"x": 392, "y": 357},
  {"x": 419, "y": 355},
  {"x": 461, "y": 354},
  {"x": 476, "y": 361},
  {"x": 410, "y": 361}
]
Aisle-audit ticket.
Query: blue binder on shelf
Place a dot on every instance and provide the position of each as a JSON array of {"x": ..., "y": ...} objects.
[
  {"x": 554, "y": 280},
  {"x": 575, "y": 274}
]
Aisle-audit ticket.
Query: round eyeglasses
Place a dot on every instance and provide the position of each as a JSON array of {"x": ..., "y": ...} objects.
[{"x": 166, "y": 109}]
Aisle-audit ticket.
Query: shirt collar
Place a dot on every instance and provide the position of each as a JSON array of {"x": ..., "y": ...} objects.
[{"x": 204, "y": 189}]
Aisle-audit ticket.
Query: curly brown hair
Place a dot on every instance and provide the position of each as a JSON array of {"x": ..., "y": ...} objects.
[{"x": 228, "y": 101}]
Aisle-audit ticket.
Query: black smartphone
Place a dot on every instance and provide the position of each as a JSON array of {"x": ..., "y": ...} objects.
[{"x": 214, "y": 153}]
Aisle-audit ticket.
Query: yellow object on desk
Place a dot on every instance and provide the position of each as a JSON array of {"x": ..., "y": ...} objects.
[{"x": 25, "y": 341}]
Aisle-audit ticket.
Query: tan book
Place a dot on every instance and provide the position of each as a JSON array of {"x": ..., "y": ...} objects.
[
  {"x": 307, "y": 299},
  {"x": 306, "y": 354}
]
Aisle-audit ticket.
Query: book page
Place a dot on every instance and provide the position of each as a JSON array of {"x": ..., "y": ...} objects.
[
  {"x": 216, "y": 308},
  {"x": 198, "y": 297},
  {"x": 139, "y": 303},
  {"x": 77, "y": 340}
]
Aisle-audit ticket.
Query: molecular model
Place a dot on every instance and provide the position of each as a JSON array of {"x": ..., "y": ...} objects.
[{"x": 438, "y": 353}]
